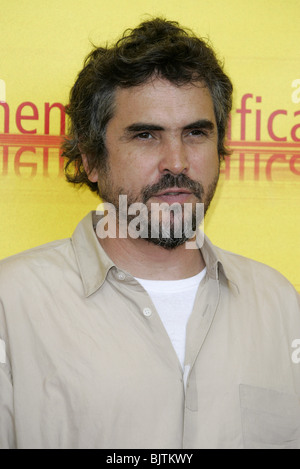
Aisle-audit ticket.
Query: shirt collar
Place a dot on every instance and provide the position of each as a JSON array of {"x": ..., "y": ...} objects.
[
  {"x": 94, "y": 264},
  {"x": 217, "y": 263}
]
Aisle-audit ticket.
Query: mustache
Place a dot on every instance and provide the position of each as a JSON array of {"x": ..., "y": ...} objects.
[{"x": 169, "y": 181}]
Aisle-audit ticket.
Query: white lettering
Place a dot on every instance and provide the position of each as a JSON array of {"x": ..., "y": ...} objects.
[
  {"x": 137, "y": 227},
  {"x": 165, "y": 458},
  {"x": 296, "y": 93},
  {"x": 135, "y": 221},
  {"x": 2, "y": 91},
  {"x": 154, "y": 459},
  {"x": 107, "y": 225},
  {"x": 296, "y": 353},
  {"x": 115, "y": 459}
]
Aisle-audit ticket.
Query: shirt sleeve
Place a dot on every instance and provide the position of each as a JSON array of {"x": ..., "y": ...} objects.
[{"x": 7, "y": 428}]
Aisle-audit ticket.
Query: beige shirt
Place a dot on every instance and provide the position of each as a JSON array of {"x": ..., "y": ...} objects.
[{"x": 85, "y": 361}]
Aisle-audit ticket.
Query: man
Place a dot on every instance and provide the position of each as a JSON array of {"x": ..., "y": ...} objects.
[{"x": 122, "y": 337}]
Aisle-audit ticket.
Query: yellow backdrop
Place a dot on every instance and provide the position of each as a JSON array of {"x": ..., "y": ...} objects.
[{"x": 256, "y": 208}]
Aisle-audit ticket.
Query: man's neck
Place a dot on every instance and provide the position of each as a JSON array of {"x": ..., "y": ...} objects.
[{"x": 146, "y": 260}]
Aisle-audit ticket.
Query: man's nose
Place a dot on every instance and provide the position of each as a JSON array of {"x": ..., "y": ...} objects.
[{"x": 174, "y": 158}]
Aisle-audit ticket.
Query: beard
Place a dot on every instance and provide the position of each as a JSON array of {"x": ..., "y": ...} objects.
[{"x": 172, "y": 226}]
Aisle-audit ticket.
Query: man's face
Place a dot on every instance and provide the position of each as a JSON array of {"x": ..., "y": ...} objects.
[{"x": 162, "y": 147}]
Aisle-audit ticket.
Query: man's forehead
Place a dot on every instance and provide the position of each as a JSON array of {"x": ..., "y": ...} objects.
[{"x": 158, "y": 101}]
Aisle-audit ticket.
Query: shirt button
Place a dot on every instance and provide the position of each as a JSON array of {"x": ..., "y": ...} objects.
[
  {"x": 147, "y": 312},
  {"x": 121, "y": 276}
]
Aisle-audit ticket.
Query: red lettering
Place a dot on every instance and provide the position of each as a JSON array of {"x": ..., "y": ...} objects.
[
  {"x": 5, "y": 161},
  {"x": 243, "y": 111},
  {"x": 20, "y": 117},
  {"x": 61, "y": 163},
  {"x": 242, "y": 167},
  {"x": 293, "y": 161},
  {"x": 6, "y": 117},
  {"x": 45, "y": 161},
  {"x": 270, "y": 162},
  {"x": 258, "y": 120},
  {"x": 18, "y": 164},
  {"x": 228, "y": 134},
  {"x": 295, "y": 128},
  {"x": 243, "y": 160},
  {"x": 62, "y": 117},
  {"x": 226, "y": 170},
  {"x": 256, "y": 166},
  {"x": 270, "y": 125}
]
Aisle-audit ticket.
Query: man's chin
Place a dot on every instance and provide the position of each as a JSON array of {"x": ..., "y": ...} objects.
[{"x": 167, "y": 243}]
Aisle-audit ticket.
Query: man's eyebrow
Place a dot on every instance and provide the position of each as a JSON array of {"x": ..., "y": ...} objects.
[
  {"x": 200, "y": 124},
  {"x": 144, "y": 127}
]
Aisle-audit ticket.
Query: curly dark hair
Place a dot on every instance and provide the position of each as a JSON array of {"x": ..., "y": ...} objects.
[{"x": 155, "y": 48}]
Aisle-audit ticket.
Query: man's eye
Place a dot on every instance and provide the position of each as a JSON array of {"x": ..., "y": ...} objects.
[
  {"x": 197, "y": 132},
  {"x": 144, "y": 136}
]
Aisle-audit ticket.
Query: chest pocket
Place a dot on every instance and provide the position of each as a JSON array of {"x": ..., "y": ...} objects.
[{"x": 270, "y": 419}]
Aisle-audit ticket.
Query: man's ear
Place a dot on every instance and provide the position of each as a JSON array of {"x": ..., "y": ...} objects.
[{"x": 92, "y": 175}]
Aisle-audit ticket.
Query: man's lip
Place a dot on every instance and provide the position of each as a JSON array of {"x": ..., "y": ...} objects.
[{"x": 171, "y": 191}]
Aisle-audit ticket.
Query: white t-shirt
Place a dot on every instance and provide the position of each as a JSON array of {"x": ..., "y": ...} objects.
[{"x": 174, "y": 301}]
